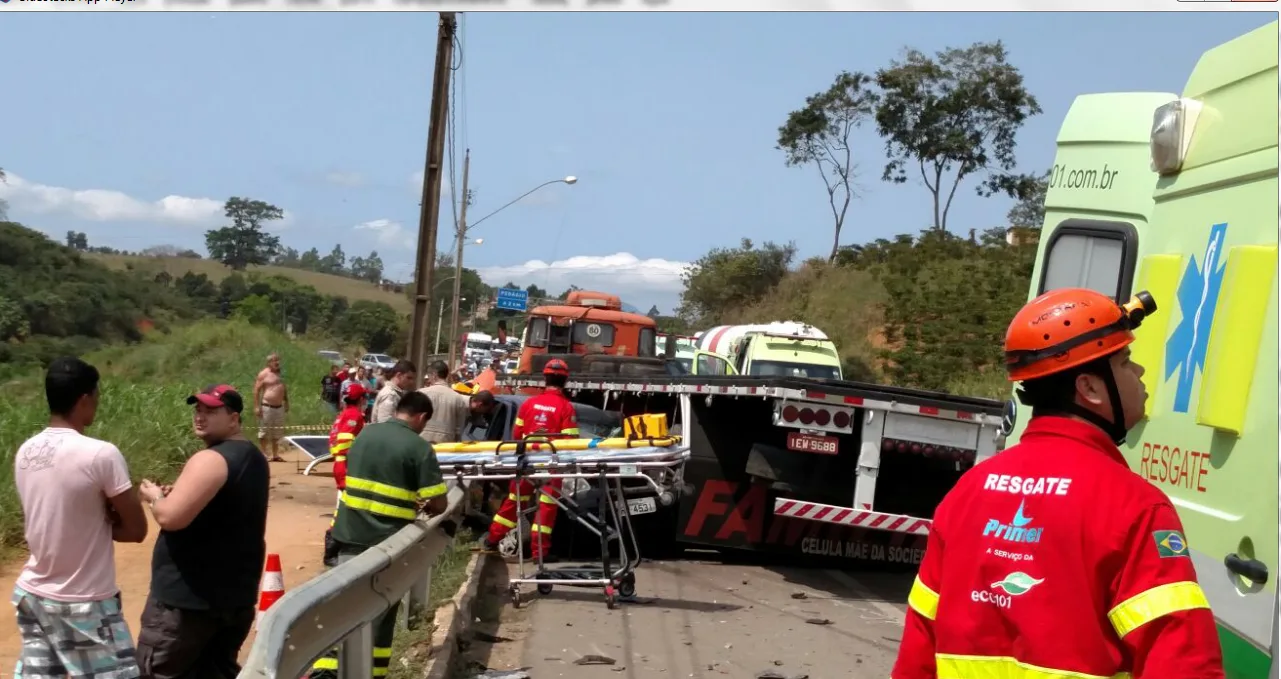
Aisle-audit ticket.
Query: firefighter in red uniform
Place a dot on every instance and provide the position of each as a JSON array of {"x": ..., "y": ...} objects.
[
  {"x": 549, "y": 414},
  {"x": 343, "y": 431},
  {"x": 1053, "y": 559}
]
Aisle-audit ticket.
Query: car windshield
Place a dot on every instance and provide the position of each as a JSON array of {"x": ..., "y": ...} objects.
[
  {"x": 381, "y": 358},
  {"x": 786, "y": 369}
]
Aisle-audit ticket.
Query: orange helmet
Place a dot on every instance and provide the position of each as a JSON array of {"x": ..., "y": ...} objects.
[
  {"x": 556, "y": 367},
  {"x": 1068, "y": 328}
]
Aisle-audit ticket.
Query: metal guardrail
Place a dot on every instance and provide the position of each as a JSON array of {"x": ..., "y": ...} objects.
[{"x": 336, "y": 607}]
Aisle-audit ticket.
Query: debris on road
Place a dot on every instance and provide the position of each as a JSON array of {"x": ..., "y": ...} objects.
[
  {"x": 799, "y": 595},
  {"x": 818, "y": 621},
  {"x": 488, "y": 638},
  {"x": 595, "y": 660},
  {"x": 502, "y": 674}
]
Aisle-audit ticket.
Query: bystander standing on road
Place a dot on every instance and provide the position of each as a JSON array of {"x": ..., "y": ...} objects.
[
  {"x": 347, "y": 378},
  {"x": 209, "y": 556},
  {"x": 271, "y": 404},
  {"x": 449, "y": 407},
  {"x": 76, "y": 500},
  {"x": 329, "y": 386},
  {"x": 392, "y": 475},
  {"x": 399, "y": 379}
]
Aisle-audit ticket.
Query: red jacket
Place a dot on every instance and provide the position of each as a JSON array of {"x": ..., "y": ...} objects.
[
  {"x": 343, "y": 431},
  {"x": 547, "y": 413},
  {"x": 1053, "y": 555}
]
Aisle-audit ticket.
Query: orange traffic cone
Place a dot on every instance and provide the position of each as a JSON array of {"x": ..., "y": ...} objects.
[{"x": 273, "y": 586}]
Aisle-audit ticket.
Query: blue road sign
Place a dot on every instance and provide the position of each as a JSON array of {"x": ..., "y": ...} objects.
[{"x": 512, "y": 300}]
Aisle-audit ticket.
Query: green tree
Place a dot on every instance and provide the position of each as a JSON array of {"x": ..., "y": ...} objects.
[
  {"x": 245, "y": 241},
  {"x": 535, "y": 292},
  {"x": 952, "y": 116},
  {"x": 565, "y": 295},
  {"x": 13, "y": 322},
  {"x": 1029, "y": 211},
  {"x": 309, "y": 260},
  {"x": 287, "y": 256},
  {"x": 728, "y": 278},
  {"x": 257, "y": 309},
  {"x": 77, "y": 240},
  {"x": 335, "y": 262},
  {"x": 819, "y": 135},
  {"x": 373, "y": 324},
  {"x": 368, "y": 268}
]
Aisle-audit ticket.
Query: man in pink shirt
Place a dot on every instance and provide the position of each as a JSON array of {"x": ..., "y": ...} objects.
[{"x": 76, "y": 500}]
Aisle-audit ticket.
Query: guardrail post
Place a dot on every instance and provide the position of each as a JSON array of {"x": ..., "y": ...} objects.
[
  {"x": 416, "y": 600},
  {"x": 356, "y": 655}
]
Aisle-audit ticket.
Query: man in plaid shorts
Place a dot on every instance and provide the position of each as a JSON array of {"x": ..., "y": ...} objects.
[{"x": 77, "y": 500}]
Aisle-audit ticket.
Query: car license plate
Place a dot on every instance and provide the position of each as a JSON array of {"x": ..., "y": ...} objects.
[
  {"x": 809, "y": 443},
  {"x": 641, "y": 505}
]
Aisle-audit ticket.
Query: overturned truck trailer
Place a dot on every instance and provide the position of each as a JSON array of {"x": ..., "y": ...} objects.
[{"x": 825, "y": 470}]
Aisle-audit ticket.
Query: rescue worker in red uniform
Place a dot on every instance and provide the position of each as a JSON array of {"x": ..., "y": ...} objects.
[
  {"x": 549, "y": 414},
  {"x": 341, "y": 434},
  {"x": 1052, "y": 559}
]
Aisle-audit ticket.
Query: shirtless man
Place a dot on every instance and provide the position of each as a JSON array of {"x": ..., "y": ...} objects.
[{"x": 271, "y": 402}]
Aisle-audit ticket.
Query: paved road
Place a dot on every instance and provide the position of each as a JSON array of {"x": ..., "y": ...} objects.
[{"x": 705, "y": 620}]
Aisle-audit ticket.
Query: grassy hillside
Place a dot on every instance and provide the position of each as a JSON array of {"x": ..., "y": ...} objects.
[
  {"x": 144, "y": 388},
  {"x": 326, "y": 284}
]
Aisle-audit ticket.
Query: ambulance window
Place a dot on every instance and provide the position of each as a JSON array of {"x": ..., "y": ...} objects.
[{"x": 1099, "y": 256}]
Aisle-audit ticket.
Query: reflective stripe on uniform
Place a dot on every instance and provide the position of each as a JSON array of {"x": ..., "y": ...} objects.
[
  {"x": 504, "y": 521},
  {"x": 517, "y": 498},
  {"x": 437, "y": 490},
  {"x": 520, "y": 422},
  {"x": 380, "y": 498},
  {"x": 541, "y": 529},
  {"x": 325, "y": 664},
  {"x": 923, "y": 600},
  {"x": 572, "y": 431},
  {"x": 546, "y": 499},
  {"x": 1159, "y": 601},
  {"x": 993, "y": 667}
]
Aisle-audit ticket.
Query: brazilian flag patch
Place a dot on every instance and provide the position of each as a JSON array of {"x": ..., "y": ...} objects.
[{"x": 1170, "y": 543}]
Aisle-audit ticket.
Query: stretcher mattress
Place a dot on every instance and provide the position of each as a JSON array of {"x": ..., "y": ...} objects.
[{"x": 318, "y": 446}]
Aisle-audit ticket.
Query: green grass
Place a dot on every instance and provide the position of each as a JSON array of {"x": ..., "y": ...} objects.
[
  {"x": 409, "y": 650},
  {"x": 143, "y": 408},
  {"x": 327, "y": 284}
]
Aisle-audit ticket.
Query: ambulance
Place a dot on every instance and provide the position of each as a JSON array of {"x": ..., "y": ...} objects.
[{"x": 1178, "y": 196}]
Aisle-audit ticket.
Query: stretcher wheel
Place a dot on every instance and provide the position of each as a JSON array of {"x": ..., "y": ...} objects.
[
  {"x": 611, "y": 599},
  {"x": 627, "y": 588},
  {"x": 544, "y": 589},
  {"x": 514, "y": 590}
]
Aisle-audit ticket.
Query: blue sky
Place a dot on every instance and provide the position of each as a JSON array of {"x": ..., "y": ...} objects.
[{"x": 134, "y": 128}]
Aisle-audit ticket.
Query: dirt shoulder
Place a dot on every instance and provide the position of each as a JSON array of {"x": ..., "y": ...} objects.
[{"x": 298, "y": 514}]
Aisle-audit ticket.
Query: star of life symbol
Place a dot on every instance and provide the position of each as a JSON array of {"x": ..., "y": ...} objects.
[{"x": 1198, "y": 296}]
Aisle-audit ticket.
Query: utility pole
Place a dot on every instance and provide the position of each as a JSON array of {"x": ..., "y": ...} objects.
[
  {"x": 430, "y": 212},
  {"x": 458, "y": 263},
  {"x": 440, "y": 316}
]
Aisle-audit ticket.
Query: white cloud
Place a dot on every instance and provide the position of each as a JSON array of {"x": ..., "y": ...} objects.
[
  {"x": 350, "y": 180},
  {"x": 105, "y": 205},
  {"x": 623, "y": 274},
  {"x": 389, "y": 233}
]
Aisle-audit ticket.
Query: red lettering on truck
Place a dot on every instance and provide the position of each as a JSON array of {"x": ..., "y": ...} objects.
[
  {"x": 747, "y": 516},
  {"x": 1175, "y": 466}
]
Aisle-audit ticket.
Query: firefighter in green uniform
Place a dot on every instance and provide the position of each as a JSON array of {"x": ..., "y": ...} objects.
[{"x": 392, "y": 474}]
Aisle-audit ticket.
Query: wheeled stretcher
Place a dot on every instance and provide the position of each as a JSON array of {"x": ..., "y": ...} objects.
[{"x": 620, "y": 469}]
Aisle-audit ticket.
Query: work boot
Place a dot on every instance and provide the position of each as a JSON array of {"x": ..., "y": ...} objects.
[{"x": 331, "y": 549}]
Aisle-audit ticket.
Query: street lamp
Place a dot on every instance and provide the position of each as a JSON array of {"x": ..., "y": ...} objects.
[{"x": 461, "y": 235}]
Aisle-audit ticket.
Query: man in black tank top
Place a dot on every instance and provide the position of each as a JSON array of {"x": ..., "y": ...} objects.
[{"x": 209, "y": 557}]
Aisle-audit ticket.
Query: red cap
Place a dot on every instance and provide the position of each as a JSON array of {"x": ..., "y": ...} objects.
[
  {"x": 219, "y": 396},
  {"x": 556, "y": 367},
  {"x": 355, "y": 391}
]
